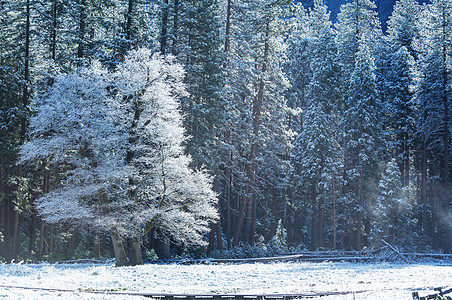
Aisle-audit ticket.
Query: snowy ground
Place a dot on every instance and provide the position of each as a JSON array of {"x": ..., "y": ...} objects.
[{"x": 381, "y": 281}]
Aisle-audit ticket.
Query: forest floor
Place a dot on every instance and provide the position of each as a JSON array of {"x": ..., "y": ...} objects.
[{"x": 384, "y": 280}]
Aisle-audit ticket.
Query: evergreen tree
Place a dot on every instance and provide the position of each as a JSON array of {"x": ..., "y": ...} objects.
[
  {"x": 316, "y": 155},
  {"x": 361, "y": 141},
  {"x": 393, "y": 213},
  {"x": 358, "y": 34},
  {"x": 357, "y": 24},
  {"x": 434, "y": 96}
]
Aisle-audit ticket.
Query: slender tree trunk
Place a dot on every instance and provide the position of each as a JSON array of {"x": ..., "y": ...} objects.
[
  {"x": 42, "y": 233},
  {"x": 219, "y": 236},
  {"x": 45, "y": 190},
  {"x": 96, "y": 246},
  {"x": 228, "y": 205},
  {"x": 314, "y": 223},
  {"x": 211, "y": 245},
  {"x": 2, "y": 212},
  {"x": 174, "y": 49},
  {"x": 359, "y": 216},
  {"x": 26, "y": 72},
  {"x": 54, "y": 29},
  {"x": 273, "y": 211},
  {"x": 81, "y": 31},
  {"x": 445, "y": 201},
  {"x": 15, "y": 246},
  {"x": 164, "y": 28},
  {"x": 227, "y": 40},
  {"x": 424, "y": 179},
  {"x": 334, "y": 214},
  {"x": 129, "y": 22},
  {"x": 32, "y": 230},
  {"x": 321, "y": 220},
  {"x": 289, "y": 227}
]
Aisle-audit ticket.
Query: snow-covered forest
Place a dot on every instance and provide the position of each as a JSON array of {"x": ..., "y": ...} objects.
[{"x": 136, "y": 129}]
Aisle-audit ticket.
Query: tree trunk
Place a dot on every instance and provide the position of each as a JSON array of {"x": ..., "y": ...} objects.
[
  {"x": 314, "y": 223},
  {"x": 16, "y": 244},
  {"x": 164, "y": 28},
  {"x": 242, "y": 213},
  {"x": 2, "y": 212},
  {"x": 219, "y": 236},
  {"x": 175, "y": 48},
  {"x": 358, "y": 235},
  {"x": 96, "y": 246},
  {"x": 54, "y": 29},
  {"x": 334, "y": 214},
  {"x": 321, "y": 221},
  {"x": 274, "y": 217},
  {"x": 211, "y": 245},
  {"x": 129, "y": 23},
  {"x": 228, "y": 207},
  {"x": 445, "y": 201},
  {"x": 81, "y": 32},
  {"x": 135, "y": 257},
  {"x": 42, "y": 234},
  {"x": 118, "y": 248},
  {"x": 227, "y": 39},
  {"x": 288, "y": 222}
]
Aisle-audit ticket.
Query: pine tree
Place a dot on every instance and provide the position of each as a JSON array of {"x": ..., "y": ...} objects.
[
  {"x": 358, "y": 34},
  {"x": 316, "y": 155},
  {"x": 393, "y": 213},
  {"x": 357, "y": 24},
  {"x": 434, "y": 95},
  {"x": 255, "y": 87},
  {"x": 361, "y": 142}
]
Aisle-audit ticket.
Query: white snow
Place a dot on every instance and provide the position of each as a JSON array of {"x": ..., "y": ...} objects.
[{"x": 379, "y": 280}]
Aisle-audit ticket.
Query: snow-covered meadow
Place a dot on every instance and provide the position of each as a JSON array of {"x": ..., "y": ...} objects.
[{"x": 379, "y": 280}]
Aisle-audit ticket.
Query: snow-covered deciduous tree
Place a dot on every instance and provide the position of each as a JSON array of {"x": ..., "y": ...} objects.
[{"x": 119, "y": 135}]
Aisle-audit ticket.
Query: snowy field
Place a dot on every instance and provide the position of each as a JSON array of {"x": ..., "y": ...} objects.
[{"x": 380, "y": 281}]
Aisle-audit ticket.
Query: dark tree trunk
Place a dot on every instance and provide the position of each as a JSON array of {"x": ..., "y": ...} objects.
[
  {"x": 445, "y": 197},
  {"x": 164, "y": 28},
  {"x": 227, "y": 40},
  {"x": 228, "y": 207},
  {"x": 321, "y": 222},
  {"x": 288, "y": 222},
  {"x": 314, "y": 222},
  {"x": 135, "y": 251},
  {"x": 174, "y": 49},
  {"x": 129, "y": 22},
  {"x": 54, "y": 29},
  {"x": 219, "y": 236},
  {"x": 211, "y": 245},
  {"x": 81, "y": 31},
  {"x": 334, "y": 215},
  {"x": 118, "y": 249},
  {"x": 96, "y": 243}
]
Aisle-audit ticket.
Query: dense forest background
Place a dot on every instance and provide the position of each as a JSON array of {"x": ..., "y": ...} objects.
[{"x": 319, "y": 131}]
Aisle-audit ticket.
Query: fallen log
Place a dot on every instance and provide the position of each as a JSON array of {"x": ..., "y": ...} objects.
[
  {"x": 169, "y": 296},
  {"x": 395, "y": 251}
]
